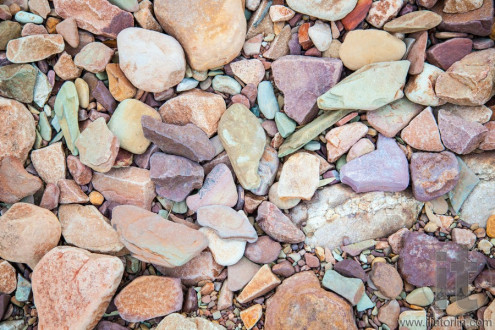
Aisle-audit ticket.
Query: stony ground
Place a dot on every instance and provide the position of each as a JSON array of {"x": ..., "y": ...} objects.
[{"x": 238, "y": 164}]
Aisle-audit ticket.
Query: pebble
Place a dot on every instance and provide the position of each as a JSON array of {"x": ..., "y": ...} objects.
[
  {"x": 263, "y": 251},
  {"x": 119, "y": 86},
  {"x": 263, "y": 282},
  {"x": 15, "y": 182},
  {"x": 10, "y": 76},
  {"x": 448, "y": 52},
  {"x": 460, "y": 135},
  {"x": 277, "y": 225},
  {"x": 455, "y": 6},
  {"x": 389, "y": 314},
  {"x": 226, "y": 84},
  {"x": 341, "y": 139},
  {"x": 284, "y": 204},
  {"x": 267, "y": 101},
  {"x": 386, "y": 278},
  {"x": 279, "y": 13},
  {"x": 94, "y": 57},
  {"x": 422, "y": 132},
  {"x": 251, "y": 315},
  {"x": 49, "y": 163},
  {"x": 249, "y": 71},
  {"x": 299, "y": 177},
  {"x": 8, "y": 282},
  {"x": 79, "y": 172},
  {"x": 23, "y": 289},
  {"x": 241, "y": 273},
  {"x": 187, "y": 84},
  {"x": 488, "y": 142},
  {"x": 420, "y": 88},
  {"x": 350, "y": 268},
  {"x": 68, "y": 30},
  {"x": 415, "y": 21},
  {"x": 383, "y": 11},
  {"x": 66, "y": 109},
  {"x": 466, "y": 305},
  {"x": 328, "y": 10},
  {"x": 267, "y": 170},
  {"x": 421, "y": 297},
  {"x": 34, "y": 48},
  {"x": 416, "y": 54},
  {"x": 65, "y": 67},
  {"x": 362, "y": 147},
  {"x": 226, "y": 252},
  {"x": 25, "y": 17},
  {"x": 71, "y": 192},
  {"x": 417, "y": 317},
  {"x": 285, "y": 125},
  {"x": 227, "y": 223},
  {"x": 321, "y": 35},
  {"x": 280, "y": 46},
  {"x": 350, "y": 288}
]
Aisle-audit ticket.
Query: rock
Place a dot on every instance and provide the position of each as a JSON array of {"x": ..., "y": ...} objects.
[
  {"x": 480, "y": 114},
  {"x": 225, "y": 297},
  {"x": 284, "y": 204},
  {"x": 383, "y": 11},
  {"x": 422, "y": 255},
  {"x": 362, "y": 147},
  {"x": 66, "y": 109},
  {"x": 15, "y": 182},
  {"x": 320, "y": 35},
  {"x": 226, "y": 252},
  {"x": 99, "y": 17},
  {"x": 106, "y": 325},
  {"x": 280, "y": 46},
  {"x": 100, "y": 92},
  {"x": 433, "y": 174},
  {"x": 79, "y": 172},
  {"x": 468, "y": 304},
  {"x": 460, "y": 135},
  {"x": 42, "y": 91},
  {"x": 127, "y": 185},
  {"x": 302, "y": 79},
  {"x": 421, "y": 296},
  {"x": 125, "y": 124},
  {"x": 278, "y": 226},
  {"x": 341, "y": 139},
  {"x": 177, "y": 321},
  {"x": 155, "y": 240},
  {"x": 119, "y": 86},
  {"x": 68, "y": 30},
  {"x": 148, "y": 297},
  {"x": 249, "y": 71},
  {"x": 367, "y": 173},
  {"x": 422, "y": 132},
  {"x": 207, "y": 49},
  {"x": 8, "y": 283},
  {"x": 94, "y": 57},
  {"x": 251, "y": 315},
  {"x": 165, "y": 66},
  {"x": 350, "y": 268},
  {"x": 477, "y": 22},
  {"x": 189, "y": 107},
  {"x": 468, "y": 81},
  {"x": 145, "y": 18},
  {"x": 49, "y": 162},
  {"x": 447, "y": 53},
  {"x": 299, "y": 177},
  {"x": 316, "y": 307},
  {"x": 463, "y": 237},
  {"x": 415, "y": 21},
  {"x": 86, "y": 228},
  {"x": 284, "y": 268},
  {"x": 362, "y": 47},
  {"x": 351, "y": 289},
  {"x": 357, "y": 15},
  {"x": 34, "y": 48},
  {"x": 241, "y": 273},
  {"x": 65, "y": 67},
  {"x": 263, "y": 282},
  {"x": 416, "y": 54},
  {"x": 336, "y": 212},
  {"x": 50, "y": 197},
  {"x": 456, "y": 6},
  {"x": 237, "y": 128},
  {"x": 252, "y": 46},
  {"x": 485, "y": 279},
  {"x": 263, "y": 251},
  {"x": 386, "y": 279},
  {"x": 360, "y": 90},
  {"x": 84, "y": 282},
  {"x": 267, "y": 101},
  {"x": 17, "y": 81},
  {"x": 226, "y": 222},
  {"x": 420, "y": 88},
  {"x": 98, "y": 147},
  {"x": 10, "y": 30},
  {"x": 17, "y": 132},
  {"x": 328, "y": 10},
  {"x": 71, "y": 193},
  {"x": 267, "y": 170},
  {"x": 389, "y": 314},
  {"x": 488, "y": 142},
  {"x": 417, "y": 317}
]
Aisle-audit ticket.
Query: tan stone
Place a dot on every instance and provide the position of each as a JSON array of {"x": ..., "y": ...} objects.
[
  {"x": 94, "y": 57},
  {"x": 341, "y": 139},
  {"x": 280, "y": 46},
  {"x": 196, "y": 107},
  {"x": 249, "y": 71},
  {"x": 284, "y": 204},
  {"x": 422, "y": 132},
  {"x": 144, "y": 17},
  {"x": 8, "y": 282},
  {"x": 73, "y": 287},
  {"x": 416, "y": 54},
  {"x": 120, "y": 87},
  {"x": 68, "y": 30},
  {"x": 49, "y": 162},
  {"x": 386, "y": 278},
  {"x": 34, "y": 48},
  {"x": 226, "y": 252},
  {"x": 39, "y": 7},
  {"x": 461, "y": 6},
  {"x": 177, "y": 321},
  {"x": 420, "y": 89},
  {"x": 263, "y": 282},
  {"x": 71, "y": 193},
  {"x": 128, "y": 185},
  {"x": 15, "y": 182},
  {"x": 30, "y": 29},
  {"x": 27, "y": 232},
  {"x": 468, "y": 304},
  {"x": 415, "y": 21},
  {"x": 225, "y": 297},
  {"x": 389, "y": 314},
  {"x": 148, "y": 297},
  {"x": 241, "y": 273},
  {"x": 299, "y": 177},
  {"x": 362, "y": 147},
  {"x": 251, "y": 315},
  {"x": 65, "y": 67},
  {"x": 279, "y": 13}
]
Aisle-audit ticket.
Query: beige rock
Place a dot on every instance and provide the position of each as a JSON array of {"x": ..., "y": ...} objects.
[
  {"x": 127, "y": 185},
  {"x": 86, "y": 228},
  {"x": 362, "y": 147},
  {"x": 279, "y": 13},
  {"x": 15, "y": 182},
  {"x": 341, "y": 139},
  {"x": 8, "y": 282},
  {"x": 329, "y": 10},
  {"x": 71, "y": 192},
  {"x": 361, "y": 47},
  {"x": 263, "y": 282},
  {"x": 468, "y": 304},
  {"x": 144, "y": 17},
  {"x": 461, "y": 6},
  {"x": 252, "y": 46},
  {"x": 196, "y": 107},
  {"x": 177, "y": 321},
  {"x": 249, "y": 71},
  {"x": 420, "y": 88},
  {"x": 118, "y": 85},
  {"x": 227, "y": 223},
  {"x": 480, "y": 114},
  {"x": 415, "y": 21},
  {"x": 422, "y": 132},
  {"x": 280, "y": 46},
  {"x": 65, "y": 67},
  {"x": 284, "y": 204},
  {"x": 212, "y": 34},
  {"x": 251, "y": 315},
  {"x": 225, "y": 251},
  {"x": 73, "y": 287},
  {"x": 241, "y": 273},
  {"x": 34, "y": 48},
  {"x": 94, "y": 57},
  {"x": 49, "y": 162},
  {"x": 299, "y": 177},
  {"x": 39, "y": 7},
  {"x": 68, "y": 30},
  {"x": 225, "y": 297},
  {"x": 27, "y": 233},
  {"x": 382, "y": 11},
  {"x": 148, "y": 297}
]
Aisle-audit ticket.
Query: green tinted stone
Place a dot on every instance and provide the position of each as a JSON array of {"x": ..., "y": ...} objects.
[
  {"x": 17, "y": 82},
  {"x": 9, "y": 30},
  {"x": 66, "y": 110}
]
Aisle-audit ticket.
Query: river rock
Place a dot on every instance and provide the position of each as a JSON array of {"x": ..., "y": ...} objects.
[
  {"x": 226, "y": 252},
  {"x": 65, "y": 67},
  {"x": 299, "y": 177},
  {"x": 383, "y": 11},
  {"x": 422, "y": 132},
  {"x": 34, "y": 48},
  {"x": 389, "y": 314},
  {"x": 71, "y": 192},
  {"x": 94, "y": 57},
  {"x": 386, "y": 279},
  {"x": 49, "y": 162},
  {"x": 415, "y": 21},
  {"x": 8, "y": 281},
  {"x": 416, "y": 53},
  {"x": 420, "y": 88},
  {"x": 277, "y": 225},
  {"x": 15, "y": 182},
  {"x": 68, "y": 30},
  {"x": 10, "y": 30},
  {"x": 477, "y": 22},
  {"x": 460, "y": 135},
  {"x": 350, "y": 268},
  {"x": 447, "y": 53},
  {"x": 263, "y": 251},
  {"x": 249, "y": 71},
  {"x": 66, "y": 109},
  {"x": 392, "y": 118},
  {"x": 488, "y": 142},
  {"x": 118, "y": 85},
  {"x": 328, "y": 10},
  {"x": 280, "y": 46},
  {"x": 267, "y": 170},
  {"x": 341, "y": 139},
  {"x": 165, "y": 65},
  {"x": 456, "y": 6},
  {"x": 17, "y": 81}
]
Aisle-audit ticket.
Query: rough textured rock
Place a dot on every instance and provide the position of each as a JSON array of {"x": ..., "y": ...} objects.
[
  {"x": 154, "y": 240},
  {"x": 68, "y": 30},
  {"x": 280, "y": 46},
  {"x": 49, "y": 162},
  {"x": 15, "y": 182},
  {"x": 277, "y": 225},
  {"x": 71, "y": 192},
  {"x": 336, "y": 212},
  {"x": 477, "y": 22},
  {"x": 389, "y": 314},
  {"x": 8, "y": 282},
  {"x": 17, "y": 81},
  {"x": 34, "y": 48},
  {"x": 94, "y": 57},
  {"x": 386, "y": 278},
  {"x": 65, "y": 67},
  {"x": 391, "y": 118},
  {"x": 341, "y": 139},
  {"x": 148, "y": 297},
  {"x": 299, "y": 177},
  {"x": 415, "y": 21},
  {"x": 460, "y": 135},
  {"x": 73, "y": 287},
  {"x": 416, "y": 54},
  {"x": 267, "y": 170},
  {"x": 178, "y": 321},
  {"x": 118, "y": 85},
  {"x": 488, "y": 142},
  {"x": 351, "y": 268},
  {"x": 422, "y": 132},
  {"x": 263, "y": 282},
  {"x": 382, "y": 11},
  {"x": 420, "y": 88},
  {"x": 447, "y": 53},
  {"x": 329, "y": 10}
]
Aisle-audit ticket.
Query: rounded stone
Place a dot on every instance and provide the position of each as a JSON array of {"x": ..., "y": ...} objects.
[
  {"x": 264, "y": 251},
  {"x": 387, "y": 279},
  {"x": 284, "y": 204}
]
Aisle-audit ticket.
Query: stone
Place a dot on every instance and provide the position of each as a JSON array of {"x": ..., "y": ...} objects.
[
  {"x": 468, "y": 304},
  {"x": 226, "y": 252},
  {"x": 66, "y": 109},
  {"x": 433, "y": 174},
  {"x": 267, "y": 101},
  {"x": 357, "y": 15},
  {"x": 362, "y": 147},
  {"x": 49, "y": 162},
  {"x": 106, "y": 325},
  {"x": 280, "y": 46},
  {"x": 316, "y": 307},
  {"x": 421, "y": 296},
  {"x": 279, "y": 13},
  {"x": 386, "y": 279},
  {"x": 86, "y": 228},
  {"x": 249, "y": 71},
  {"x": 350, "y": 268},
  {"x": 362, "y": 47},
  {"x": 84, "y": 282},
  {"x": 71, "y": 192},
  {"x": 148, "y": 297},
  {"x": 94, "y": 57},
  {"x": 188, "y": 141},
  {"x": 177, "y": 321},
  {"x": 68, "y": 30},
  {"x": 51, "y": 197},
  {"x": 190, "y": 107},
  {"x": 42, "y": 91},
  {"x": 263, "y": 282},
  {"x": 240, "y": 274},
  {"x": 237, "y": 128},
  {"x": 145, "y": 18},
  {"x": 389, "y": 314},
  {"x": 10, "y": 30},
  {"x": 488, "y": 142},
  {"x": 225, "y": 297},
  {"x": 416, "y": 54},
  {"x": 485, "y": 279},
  {"x": 468, "y": 81},
  {"x": 127, "y": 5},
  {"x": 422, "y": 132},
  {"x": 119, "y": 86},
  {"x": 477, "y": 21},
  {"x": 15, "y": 182},
  {"x": 98, "y": 147},
  {"x": 125, "y": 124},
  {"x": 427, "y": 3},
  {"x": 336, "y": 212},
  {"x": 321, "y": 35},
  {"x": 341, "y": 139},
  {"x": 351, "y": 289},
  {"x": 65, "y": 67},
  {"x": 8, "y": 282},
  {"x": 79, "y": 172},
  {"x": 17, "y": 81},
  {"x": 284, "y": 268},
  {"x": 361, "y": 90},
  {"x": 251, "y": 315},
  {"x": 263, "y": 251},
  {"x": 151, "y": 239},
  {"x": 127, "y": 185},
  {"x": 166, "y": 63},
  {"x": 34, "y": 48},
  {"x": 383, "y": 11},
  {"x": 100, "y": 92},
  {"x": 416, "y": 317},
  {"x": 448, "y": 52},
  {"x": 252, "y": 46},
  {"x": 465, "y": 185},
  {"x": 277, "y": 225},
  {"x": 267, "y": 170},
  {"x": 420, "y": 88},
  {"x": 415, "y": 21},
  {"x": 226, "y": 222},
  {"x": 99, "y": 17},
  {"x": 299, "y": 177},
  {"x": 367, "y": 173},
  {"x": 206, "y": 50},
  {"x": 456, "y": 6},
  {"x": 328, "y": 10},
  {"x": 302, "y": 79},
  {"x": 460, "y": 135},
  {"x": 419, "y": 261}
]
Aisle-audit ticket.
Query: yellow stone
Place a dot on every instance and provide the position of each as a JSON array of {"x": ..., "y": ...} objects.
[
  {"x": 490, "y": 226},
  {"x": 120, "y": 87},
  {"x": 251, "y": 316},
  {"x": 96, "y": 198}
]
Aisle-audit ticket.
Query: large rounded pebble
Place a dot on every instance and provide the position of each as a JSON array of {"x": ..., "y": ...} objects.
[
  {"x": 386, "y": 279},
  {"x": 264, "y": 251},
  {"x": 421, "y": 297}
]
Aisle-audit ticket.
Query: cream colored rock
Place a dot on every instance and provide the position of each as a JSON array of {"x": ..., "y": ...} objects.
[
  {"x": 49, "y": 162},
  {"x": 382, "y": 11},
  {"x": 34, "y": 48},
  {"x": 329, "y": 10},
  {"x": 177, "y": 321},
  {"x": 226, "y": 252},
  {"x": 300, "y": 177},
  {"x": 415, "y": 21},
  {"x": 249, "y": 71},
  {"x": 362, "y": 147},
  {"x": 279, "y": 13},
  {"x": 284, "y": 204},
  {"x": 420, "y": 88},
  {"x": 321, "y": 35},
  {"x": 341, "y": 139}
]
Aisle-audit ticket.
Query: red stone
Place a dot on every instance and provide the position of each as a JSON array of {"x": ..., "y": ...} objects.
[
  {"x": 304, "y": 39},
  {"x": 357, "y": 15}
]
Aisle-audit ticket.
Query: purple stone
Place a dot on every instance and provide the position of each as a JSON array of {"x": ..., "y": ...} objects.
[
  {"x": 447, "y": 53},
  {"x": 294, "y": 46},
  {"x": 350, "y": 268},
  {"x": 458, "y": 134},
  {"x": 478, "y": 22}
]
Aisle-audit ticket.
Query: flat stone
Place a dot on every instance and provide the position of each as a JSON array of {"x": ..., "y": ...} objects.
[
  {"x": 94, "y": 57},
  {"x": 263, "y": 282},
  {"x": 34, "y": 48},
  {"x": 477, "y": 22},
  {"x": 226, "y": 252},
  {"x": 383, "y": 11},
  {"x": 267, "y": 170},
  {"x": 263, "y": 251},
  {"x": 460, "y": 135},
  {"x": 277, "y": 225},
  {"x": 456, "y": 6},
  {"x": 17, "y": 81},
  {"x": 416, "y": 54},
  {"x": 422, "y": 132},
  {"x": 51, "y": 197},
  {"x": 8, "y": 282},
  {"x": 144, "y": 17},
  {"x": 355, "y": 249},
  {"x": 357, "y": 15},
  {"x": 351, "y": 289},
  {"x": 49, "y": 162},
  {"x": 100, "y": 92},
  {"x": 267, "y": 101},
  {"x": 299, "y": 177},
  {"x": 86, "y": 228},
  {"x": 42, "y": 90},
  {"x": 241, "y": 273},
  {"x": 249, "y": 71},
  {"x": 415, "y": 21},
  {"x": 207, "y": 49},
  {"x": 15, "y": 182},
  {"x": 362, "y": 90},
  {"x": 127, "y": 185},
  {"x": 85, "y": 283},
  {"x": 65, "y": 67},
  {"x": 350, "y": 268},
  {"x": 420, "y": 88},
  {"x": 10, "y": 30},
  {"x": 362, "y": 147},
  {"x": 468, "y": 304},
  {"x": 389, "y": 314},
  {"x": 367, "y": 173},
  {"x": 448, "y": 52},
  {"x": 341, "y": 139},
  {"x": 433, "y": 174},
  {"x": 98, "y": 17},
  {"x": 328, "y": 10},
  {"x": 166, "y": 63},
  {"x": 189, "y": 107},
  {"x": 227, "y": 223},
  {"x": 284, "y": 204},
  {"x": 362, "y": 47},
  {"x": 71, "y": 192},
  {"x": 480, "y": 114},
  {"x": 225, "y": 297},
  {"x": 251, "y": 315},
  {"x": 66, "y": 109},
  {"x": 386, "y": 279},
  {"x": 302, "y": 79},
  {"x": 68, "y": 30},
  {"x": 152, "y": 239},
  {"x": 336, "y": 212},
  {"x": 148, "y": 297},
  {"x": 280, "y": 46}
]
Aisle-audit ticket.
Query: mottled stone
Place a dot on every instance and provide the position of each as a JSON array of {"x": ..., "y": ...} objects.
[
  {"x": 448, "y": 52},
  {"x": 68, "y": 30},
  {"x": 8, "y": 282},
  {"x": 386, "y": 278},
  {"x": 328, "y": 10},
  {"x": 420, "y": 88},
  {"x": 357, "y": 15},
  {"x": 79, "y": 172},
  {"x": 71, "y": 192},
  {"x": 383, "y": 11},
  {"x": 459, "y": 135},
  {"x": 263, "y": 282},
  {"x": 241, "y": 273},
  {"x": 341, "y": 139},
  {"x": 422, "y": 132},
  {"x": 144, "y": 17},
  {"x": 34, "y": 48},
  {"x": 277, "y": 225},
  {"x": 94, "y": 57},
  {"x": 119, "y": 86},
  {"x": 299, "y": 177},
  {"x": 15, "y": 182},
  {"x": 267, "y": 170},
  {"x": 480, "y": 114},
  {"x": 415, "y": 21},
  {"x": 477, "y": 22},
  {"x": 65, "y": 67},
  {"x": 465, "y": 238},
  {"x": 249, "y": 71},
  {"x": 9, "y": 30},
  {"x": 17, "y": 81},
  {"x": 49, "y": 162}
]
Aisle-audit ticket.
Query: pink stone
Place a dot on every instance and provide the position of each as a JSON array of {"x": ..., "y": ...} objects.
[
  {"x": 80, "y": 172},
  {"x": 488, "y": 142},
  {"x": 341, "y": 139},
  {"x": 444, "y": 54},
  {"x": 71, "y": 193},
  {"x": 15, "y": 182},
  {"x": 458, "y": 134},
  {"x": 50, "y": 197},
  {"x": 277, "y": 225}
]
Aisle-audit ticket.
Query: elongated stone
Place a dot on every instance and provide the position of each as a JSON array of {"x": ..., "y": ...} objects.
[
  {"x": 329, "y": 10},
  {"x": 34, "y": 48},
  {"x": 415, "y": 21},
  {"x": 42, "y": 89},
  {"x": 467, "y": 181},
  {"x": 267, "y": 170},
  {"x": 66, "y": 109}
]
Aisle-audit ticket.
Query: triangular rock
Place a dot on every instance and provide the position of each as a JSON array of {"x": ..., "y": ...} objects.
[{"x": 422, "y": 132}]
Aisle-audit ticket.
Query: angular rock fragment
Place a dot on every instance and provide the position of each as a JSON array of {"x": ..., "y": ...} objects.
[
  {"x": 226, "y": 252},
  {"x": 17, "y": 81},
  {"x": 277, "y": 225},
  {"x": 422, "y": 132},
  {"x": 49, "y": 162},
  {"x": 459, "y": 135},
  {"x": 263, "y": 282},
  {"x": 34, "y": 48},
  {"x": 393, "y": 117},
  {"x": 299, "y": 177},
  {"x": 15, "y": 182}
]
